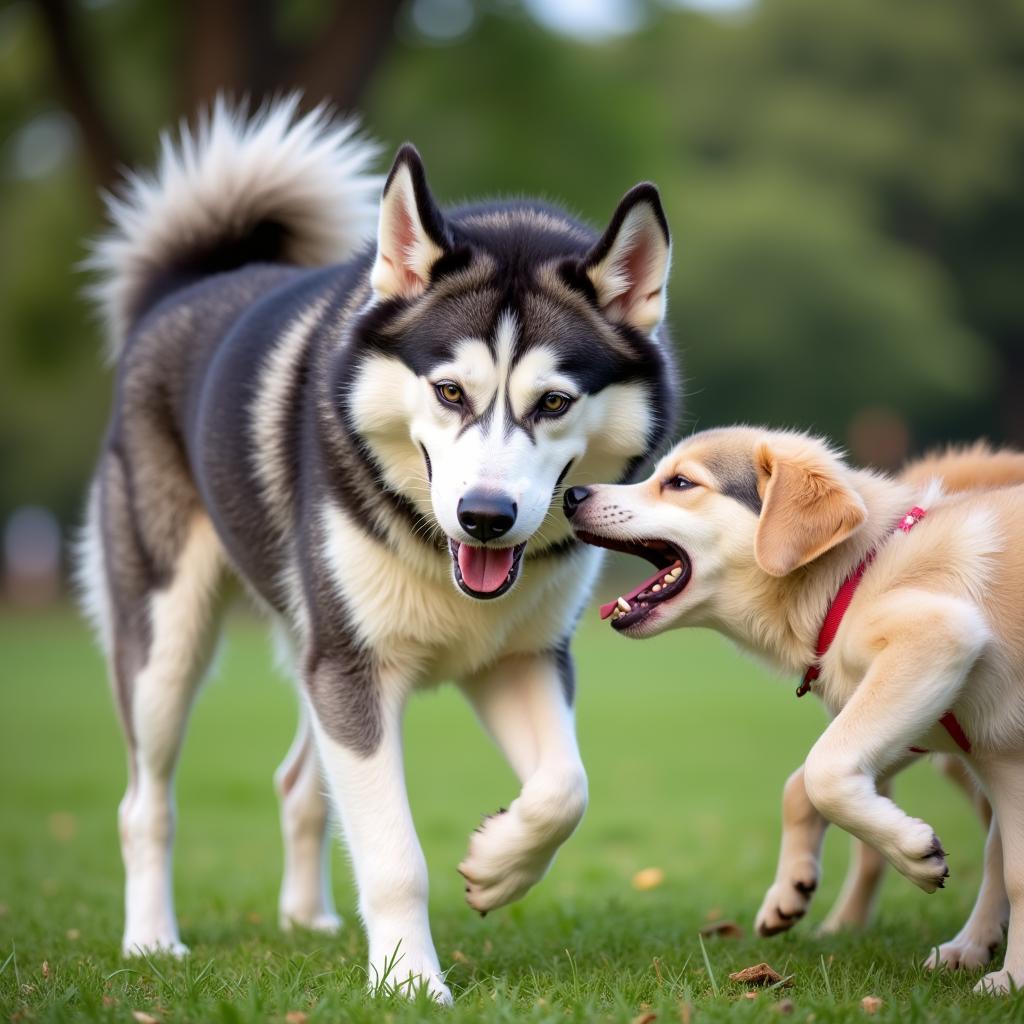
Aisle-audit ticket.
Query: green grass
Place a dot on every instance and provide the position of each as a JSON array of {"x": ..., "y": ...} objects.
[{"x": 687, "y": 746}]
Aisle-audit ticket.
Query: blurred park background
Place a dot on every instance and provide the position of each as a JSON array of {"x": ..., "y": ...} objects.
[{"x": 845, "y": 182}]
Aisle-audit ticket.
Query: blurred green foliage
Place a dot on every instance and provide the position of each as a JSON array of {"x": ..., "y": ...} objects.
[{"x": 843, "y": 179}]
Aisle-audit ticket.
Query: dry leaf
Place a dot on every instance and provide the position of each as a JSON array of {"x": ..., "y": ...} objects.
[
  {"x": 785, "y": 1006},
  {"x": 459, "y": 957},
  {"x": 685, "y": 1013},
  {"x": 723, "y": 929},
  {"x": 648, "y": 878},
  {"x": 871, "y": 1005},
  {"x": 63, "y": 826},
  {"x": 296, "y": 1017},
  {"x": 645, "y": 1018},
  {"x": 144, "y": 1018},
  {"x": 759, "y": 974}
]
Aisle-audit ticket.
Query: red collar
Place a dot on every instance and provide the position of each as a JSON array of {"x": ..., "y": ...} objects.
[{"x": 834, "y": 616}]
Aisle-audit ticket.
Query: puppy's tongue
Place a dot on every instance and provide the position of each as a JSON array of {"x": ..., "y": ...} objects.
[{"x": 484, "y": 569}]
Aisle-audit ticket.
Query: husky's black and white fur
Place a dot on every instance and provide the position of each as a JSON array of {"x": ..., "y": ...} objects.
[{"x": 372, "y": 433}]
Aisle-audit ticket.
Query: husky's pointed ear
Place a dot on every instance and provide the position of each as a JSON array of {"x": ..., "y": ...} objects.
[
  {"x": 807, "y": 505},
  {"x": 629, "y": 266},
  {"x": 411, "y": 234}
]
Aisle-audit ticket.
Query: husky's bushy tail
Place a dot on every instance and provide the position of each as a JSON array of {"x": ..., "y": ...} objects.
[{"x": 271, "y": 188}]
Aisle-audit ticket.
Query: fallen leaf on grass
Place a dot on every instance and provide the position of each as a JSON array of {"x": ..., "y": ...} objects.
[
  {"x": 871, "y": 1005},
  {"x": 645, "y": 1018},
  {"x": 459, "y": 957},
  {"x": 648, "y": 878},
  {"x": 759, "y": 974},
  {"x": 145, "y": 1018},
  {"x": 723, "y": 929},
  {"x": 296, "y": 1017}
]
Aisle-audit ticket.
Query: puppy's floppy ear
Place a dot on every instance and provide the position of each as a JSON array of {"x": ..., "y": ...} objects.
[
  {"x": 628, "y": 267},
  {"x": 411, "y": 233},
  {"x": 807, "y": 507}
]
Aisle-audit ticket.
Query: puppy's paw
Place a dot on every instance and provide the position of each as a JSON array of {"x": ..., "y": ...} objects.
[
  {"x": 502, "y": 862},
  {"x": 967, "y": 952},
  {"x": 787, "y": 901},
  {"x": 1000, "y": 983},
  {"x": 920, "y": 857}
]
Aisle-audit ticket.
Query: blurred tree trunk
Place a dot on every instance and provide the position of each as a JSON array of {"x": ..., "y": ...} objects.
[
  {"x": 230, "y": 46},
  {"x": 103, "y": 147}
]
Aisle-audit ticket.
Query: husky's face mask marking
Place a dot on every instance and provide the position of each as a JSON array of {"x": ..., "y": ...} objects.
[{"x": 501, "y": 354}]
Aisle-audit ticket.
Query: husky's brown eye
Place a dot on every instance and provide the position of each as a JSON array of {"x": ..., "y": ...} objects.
[
  {"x": 554, "y": 403},
  {"x": 449, "y": 392},
  {"x": 678, "y": 483}
]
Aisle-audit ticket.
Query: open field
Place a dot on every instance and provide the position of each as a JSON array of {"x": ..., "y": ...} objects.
[{"x": 687, "y": 747}]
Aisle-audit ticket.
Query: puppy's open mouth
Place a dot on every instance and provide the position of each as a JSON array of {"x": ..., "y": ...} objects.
[
  {"x": 674, "y": 570},
  {"x": 485, "y": 573}
]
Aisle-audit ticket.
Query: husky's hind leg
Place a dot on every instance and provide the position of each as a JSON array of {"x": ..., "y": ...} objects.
[
  {"x": 306, "y": 898},
  {"x": 158, "y": 629}
]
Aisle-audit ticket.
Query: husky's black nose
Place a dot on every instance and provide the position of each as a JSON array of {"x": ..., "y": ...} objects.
[
  {"x": 574, "y": 497},
  {"x": 486, "y": 516}
]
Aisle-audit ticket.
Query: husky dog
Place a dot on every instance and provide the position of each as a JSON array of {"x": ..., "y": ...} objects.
[{"x": 375, "y": 448}]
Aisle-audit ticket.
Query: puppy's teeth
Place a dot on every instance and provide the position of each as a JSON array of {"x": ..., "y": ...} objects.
[
  {"x": 623, "y": 604},
  {"x": 674, "y": 574},
  {"x": 656, "y": 588}
]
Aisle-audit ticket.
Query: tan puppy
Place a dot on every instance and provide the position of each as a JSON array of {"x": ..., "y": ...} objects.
[{"x": 753, "y": 532}]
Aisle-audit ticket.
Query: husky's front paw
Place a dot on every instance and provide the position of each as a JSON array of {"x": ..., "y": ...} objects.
[
  {"x": 325, "y": 922},
  {"x": 501, "y": 865},
  {"x": 152, "y": 946},
  {"x": 407, "y": 975},
  {"x": 787, "y": 900},
  {"x": 921, "y": 858}
]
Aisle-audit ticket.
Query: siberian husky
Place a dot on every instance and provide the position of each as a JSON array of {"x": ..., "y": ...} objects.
[
  {"x": 367, "y": 411},
  {"x": 902, "y": 604}
]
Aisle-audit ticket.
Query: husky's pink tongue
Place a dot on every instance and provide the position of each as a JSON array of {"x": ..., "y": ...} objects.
[{"x": 484, "y": 569}]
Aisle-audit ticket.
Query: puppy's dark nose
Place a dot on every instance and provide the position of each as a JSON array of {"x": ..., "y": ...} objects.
[
  {"x": 486, "y": 516},
  {"x": 574, "y": 497}
]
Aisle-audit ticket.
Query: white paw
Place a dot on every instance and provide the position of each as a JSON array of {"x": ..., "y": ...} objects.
[
  {"x": 919, "y": 856},
  {"x": 407, "y": 975},
  {"x": 502, "y": 864},
  {"x": 325, "y": 922},
  {"x": 1000, "y": 983},
  {"x": 787, "y": 900},
  {"x": 132, "y": 947},
  {"x": 964, "y": 953}
]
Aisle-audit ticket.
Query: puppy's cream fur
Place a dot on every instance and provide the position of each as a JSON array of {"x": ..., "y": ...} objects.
[{"x": 772, "y": 523}]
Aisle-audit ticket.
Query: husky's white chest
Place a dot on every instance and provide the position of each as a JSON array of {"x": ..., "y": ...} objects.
[{"x": 406, "y": 606}]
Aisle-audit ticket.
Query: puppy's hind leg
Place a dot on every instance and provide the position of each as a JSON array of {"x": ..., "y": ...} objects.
[
  {"x": 158, "y": 632},
  {"x": 1004, "y": 781},
  {"x": 306, "y": 898}
]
